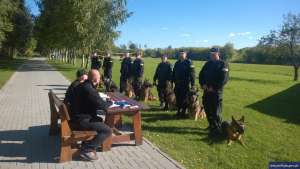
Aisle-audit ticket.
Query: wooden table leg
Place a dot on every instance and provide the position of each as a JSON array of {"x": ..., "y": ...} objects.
[
  {"x": 137, "y": 128},
  {"x": 109, "y": 120}
]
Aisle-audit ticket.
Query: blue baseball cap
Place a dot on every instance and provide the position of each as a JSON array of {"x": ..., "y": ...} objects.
[{"x": 214, "y": 50}]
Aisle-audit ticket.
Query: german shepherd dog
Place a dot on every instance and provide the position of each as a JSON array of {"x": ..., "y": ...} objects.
[
  {"x": 195, "y": 109},
  {"x": 170, "y": 95},
  {"x": 110, "y": 86},
  {"x": 145, "y": 92},
  {"x": 234, "y": 130},
  {"x": 129, "y": 89}
]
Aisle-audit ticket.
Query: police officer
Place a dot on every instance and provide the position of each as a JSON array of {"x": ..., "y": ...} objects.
[
  {"x": 184, "y": 79},
  {"x": 107, "y": 66},
  {"x": 95, "y": 61},
  {"x": 137, "y": 73},
  {"x": 162, "y": 74},
  {"x": 212, "y": 78},
  {"x": 125, "y": 71}
]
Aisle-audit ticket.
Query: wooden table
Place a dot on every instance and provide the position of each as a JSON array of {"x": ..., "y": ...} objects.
[{"x": 114, "y": 115}]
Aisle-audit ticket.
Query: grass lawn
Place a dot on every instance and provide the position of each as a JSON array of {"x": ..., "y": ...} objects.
[
  {"x": 264, "y": 94},
  {"x": 7, "y": 68}
]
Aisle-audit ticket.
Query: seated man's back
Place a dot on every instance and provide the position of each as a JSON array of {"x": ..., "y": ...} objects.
[
  {"x": 88, "y": 101},
  {"x": 70, "y": 94}
]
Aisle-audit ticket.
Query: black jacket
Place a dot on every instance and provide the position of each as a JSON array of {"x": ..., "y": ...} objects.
[
  {"x": 126, "y": 67},
  {"x": 88, "y": 101},
  {"x": 214, "y": 74},
  {"x": 107, "y": 67},
  {"x": 138, "y": 68},
  {"x": 70, "y": 96},
  {"x": 163, "y": 72},
  {"x": 184, "y": 73},
  {"x": 95, "y": 62}
]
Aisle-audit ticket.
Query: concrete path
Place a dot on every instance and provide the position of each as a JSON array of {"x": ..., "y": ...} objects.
[{"x": 24, "y": 123}]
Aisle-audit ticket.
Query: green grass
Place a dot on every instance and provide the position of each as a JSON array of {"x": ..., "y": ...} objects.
[
  {"x": 264, "y": 94},
  {"x": 7, "y": 68}
]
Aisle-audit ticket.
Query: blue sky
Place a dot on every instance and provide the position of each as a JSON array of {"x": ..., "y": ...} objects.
[{"x": 200, "y": 23}]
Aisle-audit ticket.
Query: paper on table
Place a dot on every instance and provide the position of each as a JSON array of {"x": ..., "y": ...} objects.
[
  {"x": 122, "y": 104},
  {"x": 103, "y": 95}
]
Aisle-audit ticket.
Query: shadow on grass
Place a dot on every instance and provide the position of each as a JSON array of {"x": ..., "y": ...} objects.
[
  {"x": 260, "y": 81},
  {"x": 29, "y": 146},
  {"x": 174, "y": 130},
  {"x": 284, "y": 104},
  {"x": 162, "y": 116}
]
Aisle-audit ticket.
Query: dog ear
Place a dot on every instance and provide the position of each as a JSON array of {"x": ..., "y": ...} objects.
[
  {"x": 233, "y": 119},
  {"x": 242, "y": 119}
]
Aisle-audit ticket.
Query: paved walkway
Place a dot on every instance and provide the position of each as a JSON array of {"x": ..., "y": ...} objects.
[{"x": 24, "y": 122}]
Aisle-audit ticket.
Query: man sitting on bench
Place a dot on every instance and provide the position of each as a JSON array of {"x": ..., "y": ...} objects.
[
  {"x": 88, "y": 103},
  {"x": 81, "y": 76}
]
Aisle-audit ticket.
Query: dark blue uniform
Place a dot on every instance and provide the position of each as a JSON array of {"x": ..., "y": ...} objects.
[
  {"x": 137, "y": 74},
  {"x": 125, "y": 71},
  {"x": 163, "y": 74},
  {"x": 95, "y": 62},
  {"x": 184, "y": 78},
  {"x": 214, "y": 74},
  {"x": 107, "y": 67}
]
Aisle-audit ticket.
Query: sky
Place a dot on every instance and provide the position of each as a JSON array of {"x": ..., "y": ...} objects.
[{"x": 200, "y": 23}]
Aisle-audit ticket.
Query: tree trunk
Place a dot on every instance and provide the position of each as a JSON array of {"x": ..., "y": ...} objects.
[
  {"x": 67, "y": 56},
  {"x": 74, "y": 57},
  {"x": 296, "y": 67},
  {"x": 82, "y": 60},
  {"x": 87, "y": 58}
]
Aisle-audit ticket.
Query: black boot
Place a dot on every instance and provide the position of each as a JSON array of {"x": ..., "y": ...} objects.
[{"x": 177, "y": 115}]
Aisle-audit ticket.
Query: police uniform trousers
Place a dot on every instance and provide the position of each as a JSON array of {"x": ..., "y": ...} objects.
[
  {"x": 212, "y": 102},
  {"x": 161, "y": 86},
  {"x": 137, "y": 86},
  {"x": 123, "y": 83},
  {"x": 181, "y": 90}
]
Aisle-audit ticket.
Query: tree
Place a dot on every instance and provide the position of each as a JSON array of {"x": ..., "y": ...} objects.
[
  {"x": 66, "y": 26},
  {"x": 287, "y": 39},
  {"x": 19, "y": 39},
  {"x": 227, "y": 51},
  {"x": 132, "y": 46},
  {"x": 7, "y": 8}
]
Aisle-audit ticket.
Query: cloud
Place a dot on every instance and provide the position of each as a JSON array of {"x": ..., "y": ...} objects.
[
  {"x": 200, "y": 42},
  {"x": 185, "y": 35},
  {"x": 233, "y": 34},
  {"x": 243, "y": 33},
  {"x": 164, "y": 28}
]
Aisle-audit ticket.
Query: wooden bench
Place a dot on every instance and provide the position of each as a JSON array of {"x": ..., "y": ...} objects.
[{"x": 68, "y": 137}]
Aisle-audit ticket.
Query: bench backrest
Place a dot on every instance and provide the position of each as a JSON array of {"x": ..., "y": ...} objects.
[{"x": 56, "y": 103}]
